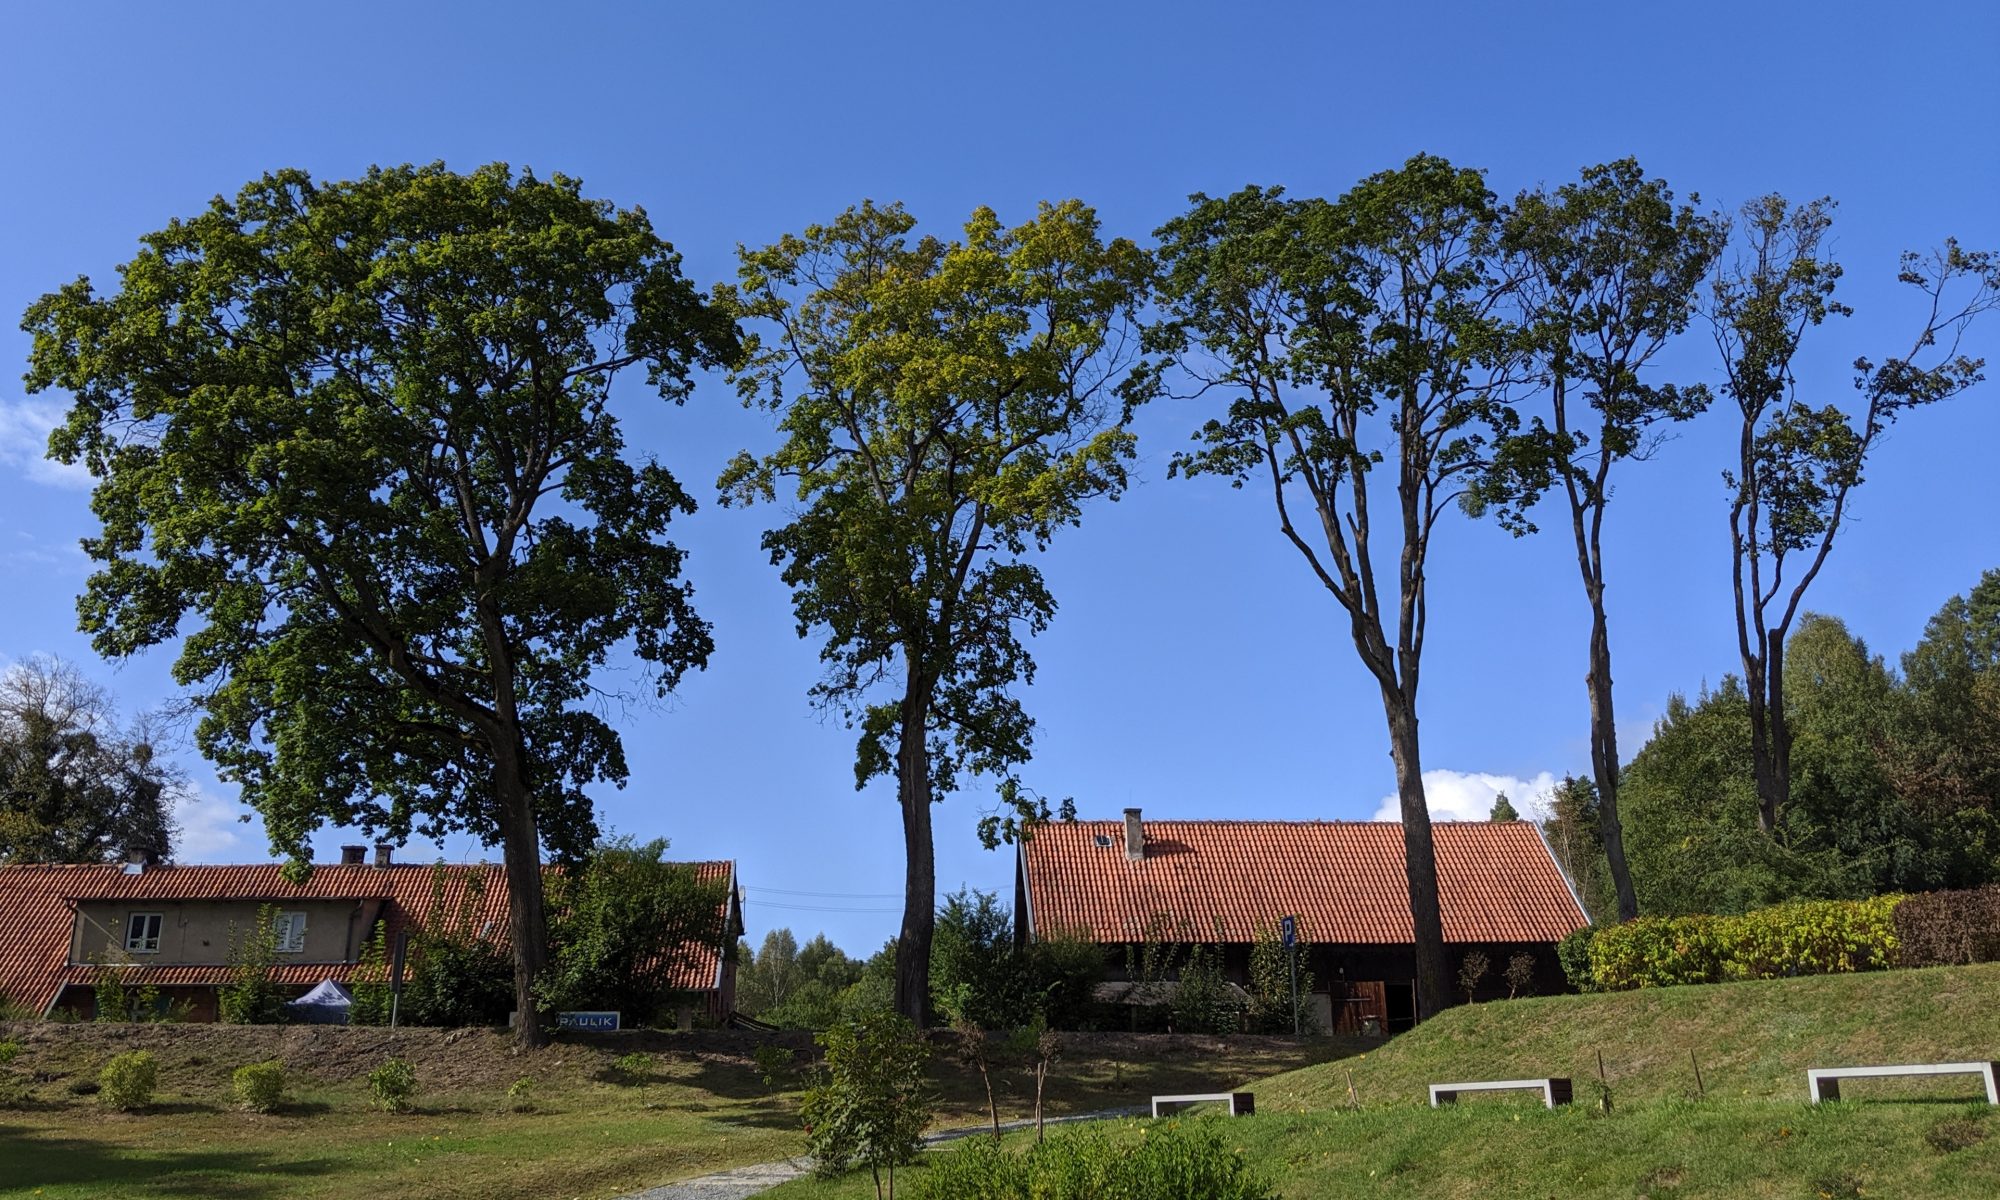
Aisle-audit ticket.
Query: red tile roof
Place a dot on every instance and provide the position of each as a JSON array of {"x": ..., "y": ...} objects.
[
  {"x": 1343, "y": 879},
  {"x": 36, "y": 918}
]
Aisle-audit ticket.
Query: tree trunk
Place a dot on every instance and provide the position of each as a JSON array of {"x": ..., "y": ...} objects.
[
  {"x": 1604, "y": 760},
  {"x": 1770, "y": 736},
  {"x": 527, "y": 921},
  {"x": 1433, "y": 980},
  {"x": 913, "y": 943}
]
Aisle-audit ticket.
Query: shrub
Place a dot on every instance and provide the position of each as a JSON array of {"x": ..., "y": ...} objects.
[
  {"x": 636, "y": 1067},
  {"x": 1204, "y": 1002},
  {"x": 1520, "y": 975},
  {"x": 9, "y": 1051},
  {"x": 259, "y": 1087},
  {"x": 372, "y": 998},
  {"x": 1173, "y": 1159},
  {"x": 1818, "y": 937},
  {"x": 868, "y": 1104},
  {"x": 251, "y": 997},
  {"x": 521, "y": 1095},
  {"x": 774, "y": 1064},
  {"x": 1573, "y": 952},
  {"x": 1941, "y": 929},
  {"x": 1270, "y": 1009},
  {"x": 128, "y": 1080},
  {"x": 394, "y": 1084},
  {"x": 1472, "y": 970}
]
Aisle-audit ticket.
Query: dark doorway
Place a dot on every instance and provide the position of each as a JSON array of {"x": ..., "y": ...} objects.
[{"x": 1402, "y": 1004}]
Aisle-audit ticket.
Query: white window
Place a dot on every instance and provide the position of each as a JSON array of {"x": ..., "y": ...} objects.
[
  {"x": 142, "y": 933},
  {"x": 290, "y": 931}
]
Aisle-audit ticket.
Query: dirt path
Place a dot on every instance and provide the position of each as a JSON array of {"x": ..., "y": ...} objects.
[{"x": 745, "y": 1182}]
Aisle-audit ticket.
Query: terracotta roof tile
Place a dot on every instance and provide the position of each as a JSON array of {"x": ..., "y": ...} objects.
[
  {"x": 1343, "y": 879},
  {"x": 36, "y": 917}
]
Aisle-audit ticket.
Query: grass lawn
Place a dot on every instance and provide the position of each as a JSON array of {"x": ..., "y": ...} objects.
[
  {"x": 1683, "y": 1150},
  {"x": 593, "y": 1133}
]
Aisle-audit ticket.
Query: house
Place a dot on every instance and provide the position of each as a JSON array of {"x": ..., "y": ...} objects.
[
  {"x": 1122, "y": 884},
  {"x": 172, "y": 926}
]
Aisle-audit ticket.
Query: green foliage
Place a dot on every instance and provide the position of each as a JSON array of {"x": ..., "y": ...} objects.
[
  {"x": 372, "y": 999},
  {"x": 946, "y": 408},
  {"x": 814, "y": 986},
  {"x": 869, "y": 1102},
  {"x": 127, "y": 1082},
  {"x": 979, "y": 975},
  {"x": 1573, "y": 952},
  {"x": 75, "y": 787},
  {"x": 9, "y": 1051},
  {"x": 1804, "y": 938},
  {"x": 353, "y": 448},
  {"x": 252, "y": 996},
  {"x": 634, "y": 1068},
  {"x": 776, "y": 1065},
  {"x": 621, "y": 923},
  {"x": 1503, "y": 809},
  {"x": 1204, "y": 1002},
  {"x": 1170, "y": 1160},
  {"x": 521, "y": 1095},
  {"x": 1270, "y": 1009},
  {"x": 458, "y": 976},
  {"x": 114, "y": 1001},
  {"x": 259, "y": 1087},
  {"x": 394, "y": 1085}
]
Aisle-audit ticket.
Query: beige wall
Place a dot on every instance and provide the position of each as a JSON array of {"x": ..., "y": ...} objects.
[{"x": 199, "y": 931}]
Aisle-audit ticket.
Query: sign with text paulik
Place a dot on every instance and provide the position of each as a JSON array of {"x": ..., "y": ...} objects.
[{"x": 600, "y": 1022}]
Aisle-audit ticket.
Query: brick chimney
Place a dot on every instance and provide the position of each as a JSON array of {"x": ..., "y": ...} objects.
[
  {"x": 1135, "y": 837},
  {"x": 383, "y": 854},
  {"x": 353, "y": 856}
]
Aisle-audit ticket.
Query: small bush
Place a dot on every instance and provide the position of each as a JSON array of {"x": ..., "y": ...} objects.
[
  {"x": 9, "y": 1051},
  {"x": 775, "y": 1064},
  {"x": 1943, "y": 929},
  {"x": 521, "y": 1095},
  {"x": 1472, "y": 970},
  {"x": 259, "y": 1087},
  {"x": 1520, "y": 975},
  {"x": 394, "y": 1084},
  {"x": 636, "y": 1067},
  {"x": 1172, "y": 1159},
  {"x": 127, "y": 1081}
]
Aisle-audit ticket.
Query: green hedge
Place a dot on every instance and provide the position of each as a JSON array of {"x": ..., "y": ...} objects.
[
  {"x": 1816, "y": 937},
  {"x": 1169, "y": 1160}
]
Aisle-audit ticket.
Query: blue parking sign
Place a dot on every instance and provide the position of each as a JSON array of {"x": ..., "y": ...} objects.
[{"x": 1288, "y": 931}]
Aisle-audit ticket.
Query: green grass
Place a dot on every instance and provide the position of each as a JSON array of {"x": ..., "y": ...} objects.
[
  {"x": 1710, "y": 1150},
  {"x": 1753, "y": 1040},
  {"x": 1750, "y": 1135},
  {"x": 595, "y": 1130}
]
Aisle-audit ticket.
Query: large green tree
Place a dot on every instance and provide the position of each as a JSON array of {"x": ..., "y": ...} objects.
[
  {"x": 945, "y": 407},
  {"x": 353, "y": 444},
  {"x": 1797, "y": 464},
  {"x": 77, "y": 786},
  {"x": 1341, "y": 339},
  {"x": 1609, "y": 269}
]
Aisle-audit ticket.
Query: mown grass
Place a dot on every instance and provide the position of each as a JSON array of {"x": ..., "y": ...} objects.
[
  {"x": 1667, "y": 1150},
  {"x": 594, "y": 1131},
  {"x": 1752, "y": 1040}
]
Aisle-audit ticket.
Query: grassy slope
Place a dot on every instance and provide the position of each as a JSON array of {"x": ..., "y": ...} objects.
[
  {"x": 702, "y": 1107},
  {"x": 1752, "y": 1039},
  {"x": 1753, "y": 1136}
]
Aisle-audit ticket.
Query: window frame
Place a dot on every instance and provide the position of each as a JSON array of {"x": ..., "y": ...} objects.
[
  {"x": 285, "y": 925},
  {"x": 138, "y": 945}
]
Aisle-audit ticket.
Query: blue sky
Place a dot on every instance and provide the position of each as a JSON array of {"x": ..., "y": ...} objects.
[{"x": 1194, "y": 668}]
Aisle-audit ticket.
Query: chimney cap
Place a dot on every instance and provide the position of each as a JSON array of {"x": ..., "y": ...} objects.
[
  {"x": 384, "y": 853},
  {"x": 353, "y": 856}
]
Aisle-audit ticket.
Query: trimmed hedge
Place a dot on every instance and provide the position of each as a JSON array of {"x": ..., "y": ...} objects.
[
  {"x": 1945, "y": 929},
  {"x": 1816, "y": 937},
  {"x": 1169, "y": 1160}
]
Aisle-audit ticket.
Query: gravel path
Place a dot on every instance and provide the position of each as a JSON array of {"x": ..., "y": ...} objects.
[{"x": 745, "y": 1182}]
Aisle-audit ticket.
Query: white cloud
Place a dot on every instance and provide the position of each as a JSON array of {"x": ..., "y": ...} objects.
[
  {"x": 1469, "y": 795},
  {"x": 24, "y": 444},
  {"x": 212, "y": 831}
]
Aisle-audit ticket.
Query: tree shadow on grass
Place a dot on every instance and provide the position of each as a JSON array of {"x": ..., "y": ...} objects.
[{"x": 37, "y": 1160}]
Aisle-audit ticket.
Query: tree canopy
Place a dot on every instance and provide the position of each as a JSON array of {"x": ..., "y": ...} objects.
[
  {"x": 353, "y": 445},
  {"x": 946, "y": 406}
]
